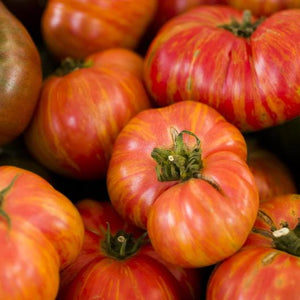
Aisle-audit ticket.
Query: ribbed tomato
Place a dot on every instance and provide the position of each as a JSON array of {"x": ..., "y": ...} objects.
[
  {"x": 29, "y": 262},
  {"x": 115, "y": 264},
  {"x": 28, "y": 196},
  {"x": 180, "y": 172},
  {"x": 78, "y": 28},
  {"x": 217, "y": 55},
  {"x": 82, "y": 109},
  {"x": 268, "y": 266}
]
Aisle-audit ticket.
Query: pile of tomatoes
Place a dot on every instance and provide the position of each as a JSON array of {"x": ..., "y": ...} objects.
[{"x": 149, "y": 149}]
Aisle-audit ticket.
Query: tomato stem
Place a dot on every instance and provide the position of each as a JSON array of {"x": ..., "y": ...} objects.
[
  {"x": 122, "y": 244},
  {"x": 283, "y": 238},
  {"x": 2, "y": 194},
  {"x": 179, "y": 162},
  {"x": 69, "y": 65},
  {"x": 244, "y": 28}
]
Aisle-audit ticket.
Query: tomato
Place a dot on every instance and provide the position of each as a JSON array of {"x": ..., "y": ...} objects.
[
  {"x": 264, "y": 7},
  {"x": 82, "y": 110},
  {"x": 21, "y": 76},
  {"x": 272, "y": 176},
  {"x": 28, "y": 196},
  {"x": 116, "y": 264},
  {"x": 268, "y": 265},
  {"x": 180, "y": 172},
  {"x": 250, "y": 75},
  {"x": 82, "y": 27},
  {"x": 29, "y": 262}
]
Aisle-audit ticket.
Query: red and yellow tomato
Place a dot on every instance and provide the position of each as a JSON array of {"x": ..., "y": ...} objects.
[
  {"x": 115, "y": 264},
  {"x": 78, "y": 28},
  {"x": 180, "y": 172},
  {"x": 268, "y": 266},
  {"x": 82, "y": 109},
  {"x": 220, "y": 56}
]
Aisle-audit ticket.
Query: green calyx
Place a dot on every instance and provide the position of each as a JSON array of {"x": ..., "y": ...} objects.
[
  {"x": 179, "y": 162},
  {"x": 244, "y": 28},
  {"x": 283, "y": 238},
  {"x": 69, "y": 65},
  {"x": 121, "y": 245},
  {"x": 2, "y": 195}
]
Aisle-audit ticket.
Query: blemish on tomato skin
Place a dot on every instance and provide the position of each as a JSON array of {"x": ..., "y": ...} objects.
[{"x": 268, "y": 259}]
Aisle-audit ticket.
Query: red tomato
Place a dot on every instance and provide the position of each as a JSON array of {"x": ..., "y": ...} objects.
[
  {"x": 20, "y": 76},
  {"x": 82, "y": 27},
  {"x": 268, "y": 266},
  {"x": 29, "y": 263},
  {"x": 30, "y": 197},
  {"x": 272, "y": 176},
  {"x": 199, "y": 201},
  {"x": 264, "y": 7},
  {"x": 102, "y": 272},
  {"x": 249, "y": 75},
  {"x": 80, "y": 113}
]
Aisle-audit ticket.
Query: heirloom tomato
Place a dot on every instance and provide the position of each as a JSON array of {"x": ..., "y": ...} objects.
[
  {"x": 116, "y": 263},
  {"x": 29, "y": 262},
  {"x": 20, "y": 77},
  {"x": 78, "y": 28},
  {"x": 264, "y": 7},
  {"x": 180, "y": 172},
  {"x": 246, "y": 69},
  {"x": 268, "y": 265},
  {"x": 82, "y": 109},
  {"x": 27, "y": 196},
  {"x": 272, "y": 176}
]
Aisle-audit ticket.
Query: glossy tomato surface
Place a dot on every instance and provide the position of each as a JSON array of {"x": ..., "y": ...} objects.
[
  {"x": 97, "y": 273},
  {"x": 262, "y": 268},
  {"x": 81, "y": 112},
  {"x": 29, "y": 262},
  {"x": 251, "y": 79},
  {"x": 79, "y": 28},
  {"x": 20, "y": 76},
  {"x": 195, "y": 221},
  {"x": 28, "y": 196}
]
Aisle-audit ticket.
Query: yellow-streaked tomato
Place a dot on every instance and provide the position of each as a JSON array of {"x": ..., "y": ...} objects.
[
  {"x": 268, "y": 265},
  {"x": 245, "y": 68},
  {"x": 78, "y": 28},
  {"x": 115, "y": 264},
  {"x": 27, "y": 195},
  {"x": 180, "y": 172},
  {"x": 82, "y": 109}
]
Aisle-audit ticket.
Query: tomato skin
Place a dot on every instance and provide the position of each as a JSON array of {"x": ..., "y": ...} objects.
[
  {"x": 272, "y": 176},
  {"x": 23, "y": 247},
  {"x": 159, "y": 207},
  {"x": 80, "y": 28},
  {"x": 259, "y": 268},
  {"x": 32, "y": 198},
  {"x": 252, "y": 82},
  {"x": 264, "y": 7},
  {"x": 141, "y": 276},
  {"x": 80, "y": 114},
  {"x": 20, "y": 77}
]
